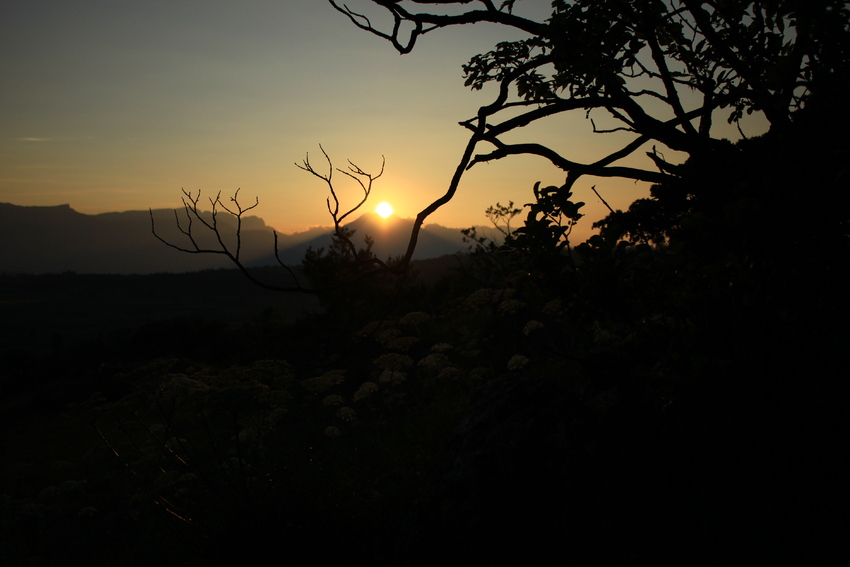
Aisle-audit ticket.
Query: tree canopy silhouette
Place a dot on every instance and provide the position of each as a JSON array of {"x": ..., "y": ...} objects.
[
  {"x": 660, "y": 71},
  {"x": 655, "y": 74}
]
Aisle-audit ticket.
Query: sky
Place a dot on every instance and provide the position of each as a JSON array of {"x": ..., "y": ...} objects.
[{"x": 121, "y": 104}]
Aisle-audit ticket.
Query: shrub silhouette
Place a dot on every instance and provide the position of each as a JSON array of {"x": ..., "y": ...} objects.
[{"x": 646, "y": 394}]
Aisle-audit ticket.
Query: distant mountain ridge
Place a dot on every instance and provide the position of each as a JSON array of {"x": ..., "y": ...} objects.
[
  {"x": 390, "y": 235},
  {"x": 57, "y": 239}
]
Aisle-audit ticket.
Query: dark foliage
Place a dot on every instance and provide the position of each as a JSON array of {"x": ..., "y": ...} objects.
[
  {"x": 670, "y": 391},
  {"x": 706, "y": 325}
]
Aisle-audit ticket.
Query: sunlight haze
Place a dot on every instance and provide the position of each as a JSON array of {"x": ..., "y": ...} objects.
[
  {"x": 118, "y": 106},
  {"x": 384, "y": 209}
]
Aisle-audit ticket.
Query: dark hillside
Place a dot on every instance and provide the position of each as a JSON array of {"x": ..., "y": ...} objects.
[
  {"x": 59, "y": 239},
  {"x": 50, "y": 310},
  {"x": 40, "y": 240}
]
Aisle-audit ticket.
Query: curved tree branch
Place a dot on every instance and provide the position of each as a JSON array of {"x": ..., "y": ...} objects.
[
  {"x": 435, "y": 21},
  {"x": 362, "y": 178},
  {"x": 193, "y": 213},
  {"x": 575, "y": 168}
]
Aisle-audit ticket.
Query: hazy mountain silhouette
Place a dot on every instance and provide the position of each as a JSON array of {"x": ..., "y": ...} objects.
[
  {"x": 390, "y": 237},
  {"x": 57, "y": 239}
]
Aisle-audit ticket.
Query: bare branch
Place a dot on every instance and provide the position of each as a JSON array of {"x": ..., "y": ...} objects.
[
  {"x": 364, "y": 179},
  {"x": 609, "y": 130},
  {"x": 463, "y": 165},
  {"x": 604, "y": 202},
  {"x": 420, "y": 20},
  {"x": 284, "y": 265},
  {"x": 503, "y": 150},
  {"x": 663, "y": 165},
  {"x": 672, "y": 97},
  {"x": 544, "y": 111},
  {"x": 193, "y": 214}
]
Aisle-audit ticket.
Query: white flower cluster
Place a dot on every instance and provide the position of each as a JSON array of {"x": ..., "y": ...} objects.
[
  {"x": 332, "y": 431},
  {"x": 434, "y": 360},
  {"x": 486, "y": 296},
  {"x": 402, "y": 344},
  {"x": 366, "y": 390},
  {"x": 392, "y": 377},
  {"x": 517, "y": 361},
  {"x": 450, "y": 373},
  {"x": 178, "y": 385},
  {"x": 346, "y": 414},
  {"x": 333, "y": 400},
  {"x": 511, "y": 306},
  {"x": 385, "y": 336},
  {"x": 531, "y": 326},
  {"x": 414, "y": 319},
  {"x": 393, "y": 361},
  {"x": 324, "y": 382},
  {"x": 441, "y": 347},
  {"x": 481, "y": 297}
]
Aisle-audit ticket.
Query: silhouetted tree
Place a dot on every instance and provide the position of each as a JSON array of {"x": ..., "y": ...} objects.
[
  {"x": 352, "y": 262},
  {"x": 657, "y": 71}
]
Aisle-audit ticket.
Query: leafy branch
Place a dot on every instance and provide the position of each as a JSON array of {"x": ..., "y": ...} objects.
[{"x": 605, "y": 56}]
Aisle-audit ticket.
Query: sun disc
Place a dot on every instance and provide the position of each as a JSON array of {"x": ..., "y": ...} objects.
[{"x": 384, "y": 209}]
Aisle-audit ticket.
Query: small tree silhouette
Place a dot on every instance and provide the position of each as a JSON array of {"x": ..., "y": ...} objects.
[
  {"x": 657, "y": 73},
  {"x": 343, "y": 249}
]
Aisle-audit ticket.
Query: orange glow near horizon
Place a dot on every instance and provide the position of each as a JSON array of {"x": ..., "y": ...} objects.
[
  {"x": 188, "y": 126},
  {"x": 384, "y": 209}
]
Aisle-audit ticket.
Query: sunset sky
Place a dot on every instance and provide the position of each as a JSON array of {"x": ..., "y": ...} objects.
[{"x": 117, "y": 105}]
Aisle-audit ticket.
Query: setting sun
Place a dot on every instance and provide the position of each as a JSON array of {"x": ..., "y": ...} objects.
[{"x": 384, "y": 209}]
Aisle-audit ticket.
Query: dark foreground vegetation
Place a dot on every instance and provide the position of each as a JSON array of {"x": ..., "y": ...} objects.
[{"x": 670, "y": 390}]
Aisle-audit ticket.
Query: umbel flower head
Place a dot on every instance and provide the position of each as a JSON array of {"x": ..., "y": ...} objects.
[
  {"x": 511, "y": 306},
  {"x": 451, "y": 373},
  {"x": 531, "y": 326},
  {"x": 481, "y": 296},
  {"x": 324, "y": 382},
  {"x": 517, "y": 361},
  {"x": 346, "y": 413},
  {"x": 392, "y": 377},
  {"x": 393, "y": 361},
  {"x": 366, "y": 390},
  {"x": 434, "y": 360},
  {"x": 414, "y": 319},
  {"x": 332, "y": 431}
]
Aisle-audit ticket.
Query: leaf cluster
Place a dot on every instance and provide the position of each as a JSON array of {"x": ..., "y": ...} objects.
[
  {"x": 550, "y": 221},
  {"x": 658, "y": 71}
]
